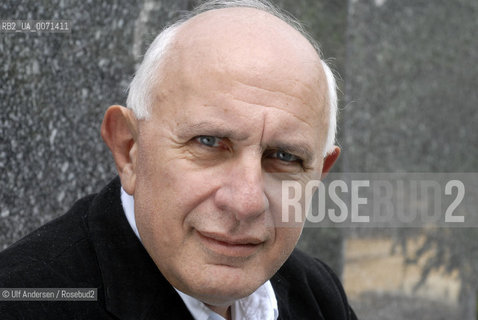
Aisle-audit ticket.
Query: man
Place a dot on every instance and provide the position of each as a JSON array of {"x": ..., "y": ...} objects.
[{"x": 226, "y": 102}]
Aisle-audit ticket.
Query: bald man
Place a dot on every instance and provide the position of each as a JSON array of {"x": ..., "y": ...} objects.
[{"x": 227, "y": 103}]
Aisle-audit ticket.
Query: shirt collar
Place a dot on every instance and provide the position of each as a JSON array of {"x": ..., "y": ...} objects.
[
  {"x": 128, "y": 207},
  {"x": 261, "y": 304}
]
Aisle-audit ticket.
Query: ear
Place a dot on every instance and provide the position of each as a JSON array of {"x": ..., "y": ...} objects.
[
  {"x": 329, "y": 161},
  {"x": 120, "y": 131}
]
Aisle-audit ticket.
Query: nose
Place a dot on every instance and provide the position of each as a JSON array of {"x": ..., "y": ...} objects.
[{"x": 242, "y": 191}]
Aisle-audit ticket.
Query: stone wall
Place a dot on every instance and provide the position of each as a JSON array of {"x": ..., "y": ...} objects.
[
  {"x": 411, "y": 86},
  {"x": 55, "y": 88}
]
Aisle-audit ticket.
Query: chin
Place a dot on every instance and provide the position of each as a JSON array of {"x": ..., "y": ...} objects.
[
  {"x": 222, "y": 285},
  {"x": 223, "y": 296}
]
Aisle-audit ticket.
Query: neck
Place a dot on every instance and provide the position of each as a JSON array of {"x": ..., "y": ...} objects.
[{"x": 224, "y": 311}]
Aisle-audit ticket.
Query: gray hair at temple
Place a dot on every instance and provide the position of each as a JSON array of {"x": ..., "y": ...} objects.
[{"x": 141, "y": 87}]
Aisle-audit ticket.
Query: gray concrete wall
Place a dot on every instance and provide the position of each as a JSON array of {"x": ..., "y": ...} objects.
[
  {"x": 54, "y": 91},
  {"x": 411, "y": 80}
]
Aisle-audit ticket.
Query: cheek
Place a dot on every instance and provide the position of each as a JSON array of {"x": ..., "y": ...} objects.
[
  {"x": 286, "y": 238},
  {"x": 287, "y": 229},
  {"x": 167, "y": 194},
  {"x": 285, "y": 241}
]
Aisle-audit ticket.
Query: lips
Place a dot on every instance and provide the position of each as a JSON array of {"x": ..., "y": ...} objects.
[{"x": 230, "y": 246}]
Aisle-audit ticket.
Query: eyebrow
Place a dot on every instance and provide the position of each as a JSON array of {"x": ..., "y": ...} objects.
[{"x": 209, "y": 128}]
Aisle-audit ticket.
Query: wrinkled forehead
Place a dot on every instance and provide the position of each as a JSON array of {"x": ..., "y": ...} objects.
[{"x": 248, "y": 46}]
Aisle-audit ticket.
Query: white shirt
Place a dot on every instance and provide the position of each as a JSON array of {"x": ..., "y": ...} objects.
[{"x": 260, "y": 305}]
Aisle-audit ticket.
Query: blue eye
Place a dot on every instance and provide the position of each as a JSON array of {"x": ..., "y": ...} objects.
[
  {"x": 285, "y": 156},
  {"x": 208, "y": 141}
]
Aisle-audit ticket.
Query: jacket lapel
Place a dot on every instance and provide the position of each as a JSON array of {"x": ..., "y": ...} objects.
[{"x": 134, "y": 288}]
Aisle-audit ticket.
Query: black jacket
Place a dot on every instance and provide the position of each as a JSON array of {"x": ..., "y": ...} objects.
[{"x": 93, "y": 246}]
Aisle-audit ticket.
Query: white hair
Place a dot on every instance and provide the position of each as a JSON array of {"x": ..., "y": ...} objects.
[
  {"x": 332, "y": 100},
  {"x": 140, "y": 95}
]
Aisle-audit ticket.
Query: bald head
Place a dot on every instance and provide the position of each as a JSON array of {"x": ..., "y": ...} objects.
[
  {"x": 246, "y": 33},
  {"x": 246, "y": 44}
]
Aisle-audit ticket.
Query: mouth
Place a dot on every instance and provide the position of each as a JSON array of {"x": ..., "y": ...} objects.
[{"x": 240, "y": 247}]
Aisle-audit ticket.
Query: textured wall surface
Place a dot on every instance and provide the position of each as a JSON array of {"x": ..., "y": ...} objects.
[
  {"x": 411, "y": 86},
  {"x": 54, "y": 91}
]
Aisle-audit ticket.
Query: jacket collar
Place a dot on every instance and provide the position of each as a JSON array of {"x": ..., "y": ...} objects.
[{"x": 134, "y": 288}]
